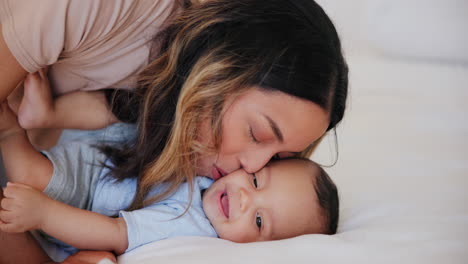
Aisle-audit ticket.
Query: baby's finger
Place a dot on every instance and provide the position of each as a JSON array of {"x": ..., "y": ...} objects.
[
  {"x": 6, "y": 216},
  {"x": 10, "y": 191},
  {"x": 7, "y": 204},
  {"x": 15, "y": 190}
]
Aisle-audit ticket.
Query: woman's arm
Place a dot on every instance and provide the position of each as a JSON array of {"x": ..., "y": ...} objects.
[
  {"x": 22, "y": 162},
  {"x": 25, "y": 208},
  {"x": 11, "y": 72}
]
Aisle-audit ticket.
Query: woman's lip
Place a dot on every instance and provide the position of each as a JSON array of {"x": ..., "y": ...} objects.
[
  {"x": 217, "y": 173},
  {"x": 222, "y": 172}
]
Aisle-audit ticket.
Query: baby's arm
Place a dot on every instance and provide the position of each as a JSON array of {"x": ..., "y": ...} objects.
[
  {"x": 77, "y": 110},
  {"x": 25, "y": 208},
  {"x": 22, "y": 162}
]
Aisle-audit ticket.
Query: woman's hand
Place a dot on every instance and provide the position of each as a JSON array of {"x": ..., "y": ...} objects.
[
  {"x": 91, "y": 257},
  {"x": 23, "y": 208}
]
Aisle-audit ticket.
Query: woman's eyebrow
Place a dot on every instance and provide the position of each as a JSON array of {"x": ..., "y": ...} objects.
[{"x": 275, "y": 129}]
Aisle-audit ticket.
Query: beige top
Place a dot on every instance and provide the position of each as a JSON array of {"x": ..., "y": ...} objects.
[{"x": 91, "y": 44}]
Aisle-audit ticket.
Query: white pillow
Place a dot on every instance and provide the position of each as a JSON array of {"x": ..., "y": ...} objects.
[{"x": 402, "y": 176}]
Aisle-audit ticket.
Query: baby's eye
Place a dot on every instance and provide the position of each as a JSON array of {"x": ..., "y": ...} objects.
[
  {"x": 258, "y": 221},
  {"x": 276, "y": 157},
  {"x": 255, "y": 180}
]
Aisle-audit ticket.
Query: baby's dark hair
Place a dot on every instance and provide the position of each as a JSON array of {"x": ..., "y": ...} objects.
[{"x": 327, "y": 195}]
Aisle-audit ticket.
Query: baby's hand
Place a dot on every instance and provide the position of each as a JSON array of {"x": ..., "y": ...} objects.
[
  {"x": 8, "y": 121},
  {"x": 22, "y": 208}
]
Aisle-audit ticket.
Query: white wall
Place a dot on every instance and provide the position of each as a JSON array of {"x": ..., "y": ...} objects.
[
  {"x": 349, "y": 17},
  {"x": 434, "y": 30}
]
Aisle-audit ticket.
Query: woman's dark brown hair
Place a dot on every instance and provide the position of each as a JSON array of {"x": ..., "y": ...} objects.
[{"x": 218, "y": 50}]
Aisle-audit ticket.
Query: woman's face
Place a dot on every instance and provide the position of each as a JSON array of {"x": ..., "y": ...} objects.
[{"x": 257, "y": 126}]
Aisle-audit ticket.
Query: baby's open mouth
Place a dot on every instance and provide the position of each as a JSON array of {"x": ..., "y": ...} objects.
[{"x": 225, "y": 204}]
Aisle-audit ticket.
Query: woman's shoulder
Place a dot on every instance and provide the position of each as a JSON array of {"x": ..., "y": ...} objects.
[
  {"x": 104, "y": 22},
  {"x": 98, "y": 43},
  {"x": 77, "y": 22}
]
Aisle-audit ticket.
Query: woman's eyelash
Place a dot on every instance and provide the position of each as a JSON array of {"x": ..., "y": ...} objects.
[
  {"x": 255, "y": 180},
  {"x": 252, "y": 136}
]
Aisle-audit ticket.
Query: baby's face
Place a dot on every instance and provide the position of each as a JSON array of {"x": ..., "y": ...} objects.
[{"x": 277, "y": 202}]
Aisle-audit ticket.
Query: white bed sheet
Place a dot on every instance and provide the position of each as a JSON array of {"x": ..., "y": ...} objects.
[{"x": 402, "y": 175}]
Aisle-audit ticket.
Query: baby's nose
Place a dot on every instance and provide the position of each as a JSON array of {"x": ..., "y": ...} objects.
[{"x": 244, "y": 199}]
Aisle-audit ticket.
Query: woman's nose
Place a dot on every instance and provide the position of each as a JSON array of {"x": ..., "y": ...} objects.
[
  {"x": 243, "y": 199},
  {"x": 254, "y": 162}
]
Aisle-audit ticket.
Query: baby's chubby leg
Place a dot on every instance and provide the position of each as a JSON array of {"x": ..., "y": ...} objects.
[
  {"x": 23, "y": 164},
  {"x": 37, "y": 108},
  {"x": 76, "y": 110}
]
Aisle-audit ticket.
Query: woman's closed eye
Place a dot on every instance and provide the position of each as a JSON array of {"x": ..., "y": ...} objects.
[
  {"x": 252, "y": 136},
  {"x": 283, "y": 155},
  {"x": 276, "y": 157}
]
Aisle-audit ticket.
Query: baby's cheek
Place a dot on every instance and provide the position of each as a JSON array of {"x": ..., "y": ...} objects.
[{"x": 236, "y": 234}]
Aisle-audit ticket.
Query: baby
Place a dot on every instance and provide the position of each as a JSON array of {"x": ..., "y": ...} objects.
[{"x": 69, "y": 194}]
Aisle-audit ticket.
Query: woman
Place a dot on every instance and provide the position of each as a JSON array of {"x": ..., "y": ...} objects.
[{"x": 231, "y": 85}]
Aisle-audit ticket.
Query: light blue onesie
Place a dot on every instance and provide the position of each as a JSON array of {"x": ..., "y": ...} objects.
[{"x": 80, "y": 180}]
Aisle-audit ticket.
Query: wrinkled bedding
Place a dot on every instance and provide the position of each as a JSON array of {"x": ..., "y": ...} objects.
[{"x": 402, "y": 175}]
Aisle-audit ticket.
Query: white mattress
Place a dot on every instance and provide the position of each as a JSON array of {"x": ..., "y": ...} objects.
[{"x": 402, "y": 175}]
